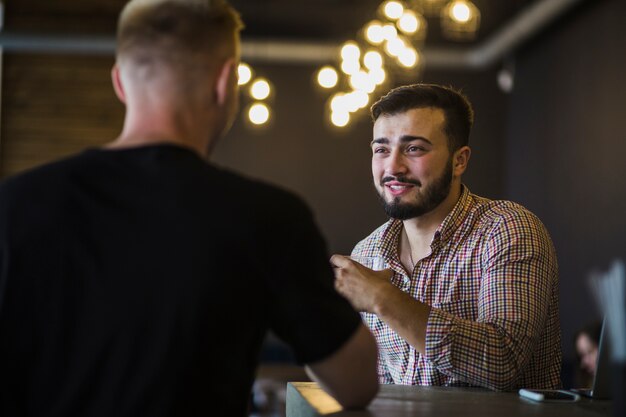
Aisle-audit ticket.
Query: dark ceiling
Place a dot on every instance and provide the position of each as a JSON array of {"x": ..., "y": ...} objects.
[
  {"x": 313, "y": 20},
  {"x": 338, "y": 20}
]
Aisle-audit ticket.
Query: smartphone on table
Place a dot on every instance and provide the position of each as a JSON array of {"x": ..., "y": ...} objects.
[{"x": 548, "y": 395}]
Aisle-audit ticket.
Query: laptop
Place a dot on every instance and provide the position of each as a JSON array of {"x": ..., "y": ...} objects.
[{"x": 601, "y": 387}]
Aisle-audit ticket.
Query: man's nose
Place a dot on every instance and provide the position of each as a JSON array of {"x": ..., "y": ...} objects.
[{"x": 396, "y": 164}]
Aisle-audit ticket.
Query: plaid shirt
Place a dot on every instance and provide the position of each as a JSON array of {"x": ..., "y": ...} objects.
[{"x": 492, "y": 282}]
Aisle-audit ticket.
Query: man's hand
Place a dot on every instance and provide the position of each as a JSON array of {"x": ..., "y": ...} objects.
[{"x": 362, "y": 286}]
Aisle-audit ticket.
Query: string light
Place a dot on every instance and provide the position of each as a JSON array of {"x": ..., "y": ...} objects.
[{"x": 400, "y": 27}]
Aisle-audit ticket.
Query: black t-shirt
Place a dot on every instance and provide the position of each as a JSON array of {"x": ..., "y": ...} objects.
[{"x": 140, "y": 282}]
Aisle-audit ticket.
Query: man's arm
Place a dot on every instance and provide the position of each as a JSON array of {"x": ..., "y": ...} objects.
[
  {"x": 349, "y": 374},
  {"x": 372, "y": 292}
]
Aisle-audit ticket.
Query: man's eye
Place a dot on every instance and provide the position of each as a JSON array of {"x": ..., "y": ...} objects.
[
  {"x": 380, "y": 150},
  {"x": 416, "y": 149}
]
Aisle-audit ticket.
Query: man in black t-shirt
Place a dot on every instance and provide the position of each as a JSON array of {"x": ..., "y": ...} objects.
[{"x": 138, "y": 279}]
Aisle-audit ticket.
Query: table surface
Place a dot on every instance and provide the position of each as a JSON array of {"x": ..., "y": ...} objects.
[{"x": 307, "y": 399}]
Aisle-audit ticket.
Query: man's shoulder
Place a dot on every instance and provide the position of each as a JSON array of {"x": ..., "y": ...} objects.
[
  {"x": 495, "y": 212},
  {"x": 504, "y": 219},
  {"x": 43, "y": 177}
]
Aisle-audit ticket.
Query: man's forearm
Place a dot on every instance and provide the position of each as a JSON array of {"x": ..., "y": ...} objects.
[{"x": 405, "y": 315}]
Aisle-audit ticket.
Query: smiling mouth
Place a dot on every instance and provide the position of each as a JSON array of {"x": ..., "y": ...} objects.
[{"x": 397, "y": 188}]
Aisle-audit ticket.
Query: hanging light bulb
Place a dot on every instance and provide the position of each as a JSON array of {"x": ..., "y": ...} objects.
[
  {"x": 350, "y": 52},
  {"x": 377, "y": 76},
  {"x": 350, "y": 67},
  {"x": 327, "y": 77},
  {"x": 260, "y": 89},
  {"x": 372, "y": 60},
  {"x": 244, "y": 73},
  {"x": 392, "y": 9},
  {"x": 408, "y": 58},
  {"x": 374, "y": 32},
  {"x": 395, "y": 46},
  {"x": 259, "y": 114},
  {"x": 460, "y": 12},
  {"x": 408, "y": 22},
  {"x": 460, "y": 20},
  {"x": 340, "y": 118},
  {"x": 389, "y": 32}
]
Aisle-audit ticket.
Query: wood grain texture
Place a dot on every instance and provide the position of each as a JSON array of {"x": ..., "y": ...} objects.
[{"x": 54, "y": 106}]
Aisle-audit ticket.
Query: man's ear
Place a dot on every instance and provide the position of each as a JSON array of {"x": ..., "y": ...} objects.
[
  {"x": 225, "y": 78},
  {"x": 117, "y": 83},
  {"x": 461, "y": 160}
]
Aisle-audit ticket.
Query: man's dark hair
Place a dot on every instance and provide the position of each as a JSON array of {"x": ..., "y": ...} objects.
[{"x": 457, "y": 110}]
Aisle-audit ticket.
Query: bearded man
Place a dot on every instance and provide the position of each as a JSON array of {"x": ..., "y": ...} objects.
[{"x": 459, "y": 290}]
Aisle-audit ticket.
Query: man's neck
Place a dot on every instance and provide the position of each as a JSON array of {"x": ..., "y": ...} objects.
[
  {"x": 418, "y": 232},
  {"x": 164, "y": 128}
]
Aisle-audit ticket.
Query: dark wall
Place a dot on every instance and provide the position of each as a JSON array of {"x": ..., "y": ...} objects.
[
  {"x": 330, "y": 168},
  {"x": 566, "y": 147}
]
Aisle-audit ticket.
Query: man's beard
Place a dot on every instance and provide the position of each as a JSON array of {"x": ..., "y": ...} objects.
[{"x": 432, "y": 196}]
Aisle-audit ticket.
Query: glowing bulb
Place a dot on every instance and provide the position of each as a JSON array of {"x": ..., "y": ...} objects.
[
  {"x": 408, "y": 58},
  {"x": 350, "y": 67},
  {"x": 361, "y": 81},
  {"x": 389, "y": 32},
  {"x": 260, "y": 89},
  {"x": 393, "y": 9},
  {"x": 245, "y": 73},
  {"x": 408, "y": 23},
  {"x": 374, "y": 32},
  {"x": 327, "y": 77},
  {"x": 350, "y": 52},
  {"x": 361, "y": 98},
  {"x": 352, "y": 102},
  {"x": 338, "y": 103},
  {"x": 395, "y": 47},
  {"x": 460, "y": 12},
  {"x": 373, "y": 59},
  {"x": 340, "y": 118},
  {"x": 259, "y": 113},
  {"x": 378, "y": 76}
]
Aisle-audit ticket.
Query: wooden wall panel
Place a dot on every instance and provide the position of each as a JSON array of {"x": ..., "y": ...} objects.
[{"x": 54, "y": 106}]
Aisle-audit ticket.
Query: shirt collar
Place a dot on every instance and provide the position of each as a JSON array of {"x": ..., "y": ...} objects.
[{"x": 454, "y": 219}]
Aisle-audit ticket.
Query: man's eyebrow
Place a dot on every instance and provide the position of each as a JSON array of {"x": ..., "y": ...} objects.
[
  {"x": 409, "y": 138},
  {"x": 403, "y": 139},
  {"x": 381, "y": 141}
]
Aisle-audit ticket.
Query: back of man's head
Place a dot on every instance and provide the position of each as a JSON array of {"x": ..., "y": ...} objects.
[
  {"x": 186, "y": 37},
  {"x": 457, "y": 110}
]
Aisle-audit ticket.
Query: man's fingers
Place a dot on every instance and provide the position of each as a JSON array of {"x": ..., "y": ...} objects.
[{"x": 340, "y": 261}]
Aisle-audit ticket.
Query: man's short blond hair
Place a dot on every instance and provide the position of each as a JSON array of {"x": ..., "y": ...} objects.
[{"x": 177, "y": 33}]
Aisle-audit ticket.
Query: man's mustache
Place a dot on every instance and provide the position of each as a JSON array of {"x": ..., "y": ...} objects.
[{"x": 400, "y": 179}]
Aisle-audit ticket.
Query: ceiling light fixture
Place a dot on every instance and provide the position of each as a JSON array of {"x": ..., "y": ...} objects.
[{"x": 460, "y": 20}]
